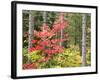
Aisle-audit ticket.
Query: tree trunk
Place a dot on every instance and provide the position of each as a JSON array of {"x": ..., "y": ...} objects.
[
  {"x": 44, "y": 17},
  {"x": 30, "y": 31},
  {"x": 61, "y": 32},
  {"x": 44, "y": 23},
  {"x": 83, "y": 39},
  {"x": 61, "y": 36}
]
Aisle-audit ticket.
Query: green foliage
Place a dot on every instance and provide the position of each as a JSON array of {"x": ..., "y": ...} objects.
[
  {"x": 88, "y": 57},
  {"x": 70, "y": 57},
  {"x": 25, "y": 51},
  {"x": 25, "y": 57},
  {"x": 35, "y": 56}
]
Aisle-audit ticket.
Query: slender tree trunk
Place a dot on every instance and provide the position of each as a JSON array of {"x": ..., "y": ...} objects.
[
  {"x": 61, "y": 32},
  {"x": 61, "y": 36},
  {"x": 44, "y": 23},
  {"x": 83, "y": 39},
  {"x": 44, "y": 17},
  {"x": 30, "y": 31}
]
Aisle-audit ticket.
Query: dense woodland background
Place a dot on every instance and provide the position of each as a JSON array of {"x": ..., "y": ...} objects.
[{"x": 77, "y": 47}]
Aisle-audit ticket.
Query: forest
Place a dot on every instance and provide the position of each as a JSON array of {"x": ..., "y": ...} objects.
[{"x": 55, "y": 39}]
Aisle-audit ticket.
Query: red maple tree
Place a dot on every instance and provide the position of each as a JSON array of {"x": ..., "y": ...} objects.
[
  {"x": 45, "y": 38},
  {"x": 46, "y": 41}
]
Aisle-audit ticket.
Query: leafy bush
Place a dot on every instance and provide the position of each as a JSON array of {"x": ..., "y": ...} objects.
[
  {"x": 70, "y": 57},
  {"x": 88, "y": 57},
  {"x": 35, "y": 55},
  {"x": 25, "y": 55}
]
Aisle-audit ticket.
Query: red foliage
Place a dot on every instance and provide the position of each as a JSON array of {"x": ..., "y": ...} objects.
[
  {"x": 34, "y": 41},
  {"x": 46, "y": 42},
  {"x": 30, "y": 66}
]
